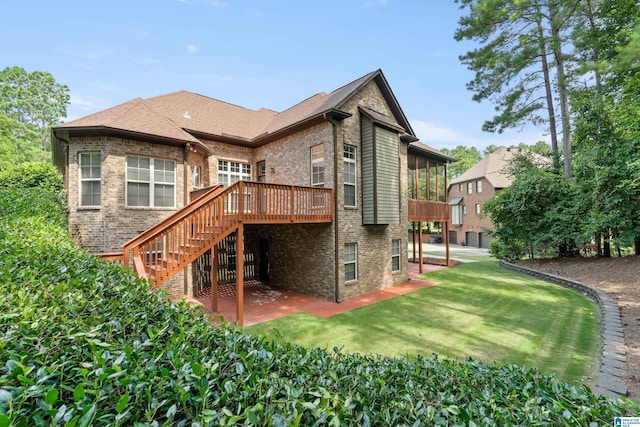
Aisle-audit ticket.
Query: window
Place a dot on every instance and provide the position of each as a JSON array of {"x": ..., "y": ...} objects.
[
  {"x": 456, "y": 215},
  {"x": 231, "y": 172},
  {"x": 262, "y": 171},
  {"x": 350, "y": 261},
  {"x": 195, "y": 176},
  {"x": 395, "y": 255},
  {"x": 470, "y": 187},
  {"x": 477, "y": 208},
  {"x": 151, "y": 182},
  {"x": 89, "y": 179},
  {"x": 464, "y": 209},
  {"x": 349, "y": 157},
  {"x": 479, "y": 186},
  {"x": 460, "y": 187},
  {"x": 317, "y": 165}
]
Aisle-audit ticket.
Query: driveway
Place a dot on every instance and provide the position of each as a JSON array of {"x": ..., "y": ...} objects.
[{"x": 437, "y": 250}]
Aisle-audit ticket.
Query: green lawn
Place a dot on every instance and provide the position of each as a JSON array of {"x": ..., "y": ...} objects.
[{"x": 477, "y": 310}]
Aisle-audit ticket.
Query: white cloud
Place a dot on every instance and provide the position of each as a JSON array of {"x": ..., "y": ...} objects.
[
  {"x": 86, "y": 53},
  {"x": 147, "y": 62},
  {"x": 439, "y": 136},
  {"x": 192, "y": 48},
  {"x": 219, "y": 3},
  {"x": 76, "y": 100}
]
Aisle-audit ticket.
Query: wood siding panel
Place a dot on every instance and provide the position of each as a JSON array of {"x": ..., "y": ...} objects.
[
  {"x": 368, "y": 171},
  {"x": 388, "y": 176}
]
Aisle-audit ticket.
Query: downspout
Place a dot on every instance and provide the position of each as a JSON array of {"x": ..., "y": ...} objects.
[
  {"x": 336, "y": 286},
  {"x": 185, "y": 182}
]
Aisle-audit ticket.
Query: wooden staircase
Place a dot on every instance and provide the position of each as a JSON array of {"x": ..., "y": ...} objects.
[{"x": 168, "y": 247}]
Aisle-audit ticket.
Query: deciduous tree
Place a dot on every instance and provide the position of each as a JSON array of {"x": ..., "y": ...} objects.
[{"x": 34, "y": 99}]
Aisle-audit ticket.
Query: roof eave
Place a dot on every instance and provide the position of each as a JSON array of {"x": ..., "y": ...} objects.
[
  {"x": 436, "y": 155},
  {"x": 327, "y": 115},
  {"x": 109, "y": 131}
]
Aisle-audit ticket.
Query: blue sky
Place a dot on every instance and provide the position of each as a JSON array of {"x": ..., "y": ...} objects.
[{"x": 270, "y": 54}]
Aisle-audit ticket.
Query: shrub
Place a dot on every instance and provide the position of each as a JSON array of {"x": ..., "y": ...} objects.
[
  {"x": 86, "y": 343},
  {"x": 32, "y": 175},
  {"x": 510, "y": 252}
]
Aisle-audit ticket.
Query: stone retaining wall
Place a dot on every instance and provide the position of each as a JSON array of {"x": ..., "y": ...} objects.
[{"x": 613, "y": 357}]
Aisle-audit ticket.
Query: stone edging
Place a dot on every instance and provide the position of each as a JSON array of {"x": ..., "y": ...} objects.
[{"x": 613, "y": 358}]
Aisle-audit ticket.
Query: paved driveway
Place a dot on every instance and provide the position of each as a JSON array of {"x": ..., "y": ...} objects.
[{"x": 454, "y": 250}]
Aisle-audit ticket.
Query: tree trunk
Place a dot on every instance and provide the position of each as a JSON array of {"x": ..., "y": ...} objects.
[
  {"x": 595, "y": 53},
  {"x": 637, "y": 245},
  {"x": 548, "y": 95},
  {"x": 606, "y": 251},
  {"x": 562, "y": 87}
]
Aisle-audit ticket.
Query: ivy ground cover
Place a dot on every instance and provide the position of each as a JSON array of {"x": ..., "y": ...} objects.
[{"x": 84, "y": 343}]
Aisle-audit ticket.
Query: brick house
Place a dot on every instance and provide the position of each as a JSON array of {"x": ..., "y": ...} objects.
[
  {"x": 467, "y": 194},
  {"x": 316, "y": 193}
]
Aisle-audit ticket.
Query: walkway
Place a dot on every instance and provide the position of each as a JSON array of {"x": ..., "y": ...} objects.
[{"x": 263, "y": 303}]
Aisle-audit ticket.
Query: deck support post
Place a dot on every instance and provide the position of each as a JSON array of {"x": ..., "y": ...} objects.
[
  {"x": 419, "y": 246},
  {"x": 214, "y": 278},
  {"x": 240, "y": 275},
  {"x": 413, "y": 239},
  {"x": 446, "y": 241}
]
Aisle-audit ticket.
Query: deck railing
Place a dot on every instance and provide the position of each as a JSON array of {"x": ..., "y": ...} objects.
[
  {"x": 174, "y": 243},
  {"x": 428, "y": 210}
]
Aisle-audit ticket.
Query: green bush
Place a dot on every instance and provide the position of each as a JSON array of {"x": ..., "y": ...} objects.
[
  {"x": 510, "y": 252},
  {"x": 83, "y": 342},
  {"x": 32, "y": 175}
]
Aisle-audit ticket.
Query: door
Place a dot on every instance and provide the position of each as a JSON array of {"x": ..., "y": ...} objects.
[
  {"x": 453, "y": 237},
  {"x": 264, "y": 260}
]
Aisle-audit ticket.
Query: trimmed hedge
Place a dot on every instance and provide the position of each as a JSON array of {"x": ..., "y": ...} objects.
[{"x": 83, "y": 342}]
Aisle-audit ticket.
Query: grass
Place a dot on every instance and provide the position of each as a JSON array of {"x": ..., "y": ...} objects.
[{"x": 477, "y": 310}]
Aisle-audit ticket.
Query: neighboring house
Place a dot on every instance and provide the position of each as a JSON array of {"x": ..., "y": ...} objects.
[
  {"x": 468, "y": 193},
  {"x": 317, "y": 193}
]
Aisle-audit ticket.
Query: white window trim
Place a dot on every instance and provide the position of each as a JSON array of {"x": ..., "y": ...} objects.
[
  {"x": 81, "y": 179},
  {"x": 470, "y": 187},
  {"x": 355, "y": 177},
  {"x": 355, "y": 262},
  {"x": 151, "y": 183},
  {"x": 478, "y": 208},
  {"x": 397, "y": 255},
  {"x": 317, "y": 162},
  {"x": 243, "y": 173},
  {"x": 456, "y": 215},
  {"x": 479, "y": 186},
  {"x": 195, "y": 177}
]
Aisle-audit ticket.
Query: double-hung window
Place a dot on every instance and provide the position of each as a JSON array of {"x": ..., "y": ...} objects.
[
  {"x": 350, "y": 262},
  {"x": 349, "y": 158},
  {"x": 151, "y": 182},
  {"x": 479, "y": 186},
  {"x": 195, "y": 177},
  {"x": 89, "y": 179},
  {"x": 470, "y": 187},
  {"x": 478, "y": 209},
  {"x": 395, "y": 255},
  {"x": 317, "y": 165}
]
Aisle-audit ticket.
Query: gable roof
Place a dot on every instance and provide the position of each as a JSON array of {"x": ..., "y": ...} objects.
[
  {"x": 185, "y": 116},
  {"x": 492, "y": 167}
]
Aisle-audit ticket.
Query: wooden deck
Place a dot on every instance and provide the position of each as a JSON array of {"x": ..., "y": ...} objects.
[
  {"x": 428, "y": 211},
  {"x": 163, "y": 250}
]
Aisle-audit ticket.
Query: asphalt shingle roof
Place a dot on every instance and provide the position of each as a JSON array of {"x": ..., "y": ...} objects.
[{"x": 492, "y": 167}]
